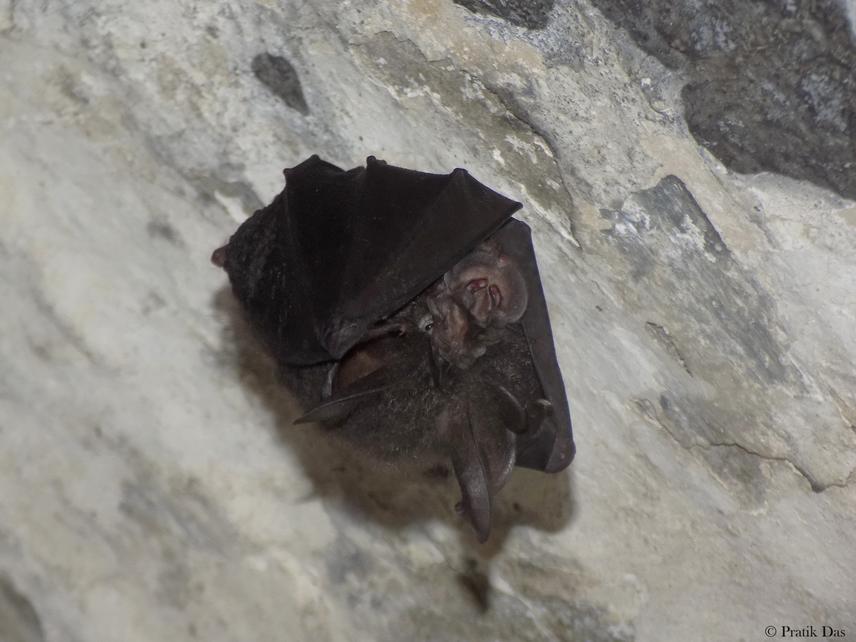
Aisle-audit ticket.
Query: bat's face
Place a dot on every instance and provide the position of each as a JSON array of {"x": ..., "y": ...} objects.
[
  {"x": 492, "y": 291},
  {"x": 484, "y": 290}
]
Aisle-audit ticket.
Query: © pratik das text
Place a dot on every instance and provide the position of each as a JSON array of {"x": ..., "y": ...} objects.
[{"x": 805, "y": 632}]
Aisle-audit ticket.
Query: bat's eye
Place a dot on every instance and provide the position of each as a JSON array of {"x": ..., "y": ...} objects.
[{"x": 426, "y": 323}]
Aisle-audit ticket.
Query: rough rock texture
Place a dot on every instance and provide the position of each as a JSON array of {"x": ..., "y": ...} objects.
[
  {"x": 772, "y": 85},
  {"x": 534, "y": 14},
  {"x": 151, "y": 485}
]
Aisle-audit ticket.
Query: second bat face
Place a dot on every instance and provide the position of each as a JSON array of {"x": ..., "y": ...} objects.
[{"x": 407, "y": 313}]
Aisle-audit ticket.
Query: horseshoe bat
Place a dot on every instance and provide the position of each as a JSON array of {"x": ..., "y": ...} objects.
[{"x": 406, "y": 311}]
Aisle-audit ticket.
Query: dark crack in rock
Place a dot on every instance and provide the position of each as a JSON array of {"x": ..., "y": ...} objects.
[
  {"x": 279, "y": 75},
  {"x": 693, "y": 424},
  {"x": 772, "y": 85},
  {"x": 672, "y": 248},
  {"x": 19, "y": 621},
  {"x": 532, "y": 14},
  {"x": 666, "y": 256},
  {"x": 661, "y": 335}
]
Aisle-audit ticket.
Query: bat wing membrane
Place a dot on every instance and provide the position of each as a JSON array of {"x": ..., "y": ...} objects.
[
  {"x": 549, "y": 446},
  {"x": 342, "y": 250}
]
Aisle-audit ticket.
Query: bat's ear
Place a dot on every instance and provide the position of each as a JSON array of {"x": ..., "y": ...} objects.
[
  {"x": 482, "y": 454},
  {"x": 472, "y": 477}
]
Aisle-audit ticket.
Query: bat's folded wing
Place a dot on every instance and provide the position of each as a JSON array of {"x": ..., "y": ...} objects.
[
  {"x": 409, "y": 228},
  {"x": 344, "y": 249},
  {"x": 550, "y": 447}
]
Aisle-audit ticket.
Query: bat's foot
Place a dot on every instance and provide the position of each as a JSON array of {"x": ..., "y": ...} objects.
[{"x": 536, "y": 412}]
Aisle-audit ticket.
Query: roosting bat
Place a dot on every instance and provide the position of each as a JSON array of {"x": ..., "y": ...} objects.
[{"x": 406, "y": 311}]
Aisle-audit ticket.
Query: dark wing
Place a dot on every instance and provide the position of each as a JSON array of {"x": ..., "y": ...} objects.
[
  {"x": 281, "y": 282},
  {"x": 550, "y": 447},
  {"x": 339, "y": 250}
]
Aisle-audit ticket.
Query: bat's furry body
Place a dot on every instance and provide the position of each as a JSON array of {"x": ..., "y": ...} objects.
[{"x": 401, "y": 421}]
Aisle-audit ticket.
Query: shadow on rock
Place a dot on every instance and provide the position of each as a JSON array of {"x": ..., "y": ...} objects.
[{"x": 394, "y": 496}]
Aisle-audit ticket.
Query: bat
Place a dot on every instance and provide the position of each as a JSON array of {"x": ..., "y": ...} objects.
[{"x": 406, "y": 311}]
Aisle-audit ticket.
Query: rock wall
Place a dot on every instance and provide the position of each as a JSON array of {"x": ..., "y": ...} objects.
[{"x": 686, "y": 169}]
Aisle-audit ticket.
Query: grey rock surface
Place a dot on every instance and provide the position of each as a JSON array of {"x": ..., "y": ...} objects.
[
  {"x": 771, "y": 85},
  {"x": 152, "y": 486}
]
